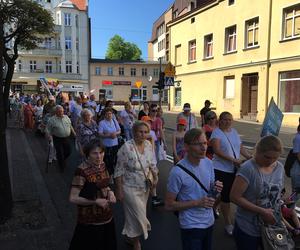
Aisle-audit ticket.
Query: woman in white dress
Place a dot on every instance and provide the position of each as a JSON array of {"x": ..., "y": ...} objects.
[{"x": 135, "y": 163}]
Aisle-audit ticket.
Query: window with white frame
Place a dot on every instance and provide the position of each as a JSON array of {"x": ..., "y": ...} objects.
[
  {"x": 230, "y": 39},
  {"x": 98, "y": 71},
  {"x": 68, "y": 42},
  {"x": 133, "y": 71},
  {"x": 289, "y": 91},
  {"x": 77, "y": 43},
  {"x": 229, "y": 87},
  {"x": 208, "y": 46},
  {"x": 121, "y": 71},
  {"x": 139, "y": 94},
  {"x": 291, "y": 22},
  {"x": 144, "y": 72},
  {"x": 108, "y": 93},
  {"x": 76, "y": 21},
  {"x": 68, "y": 66},
  {"x": 155, "y": 72},
  {"x": 192, "y": 51},
  {"x": 67, "y": 19},
  {"x": 110, "y": 71},
  {"x": 20, "y": 65},
  {"x": 48, "y": 66},
  {"x": 48, "y": 42},
  {"x": 178, "y": 54},
  {"x": 32, "y": 65},
  {"x": 252, "y": 27}
]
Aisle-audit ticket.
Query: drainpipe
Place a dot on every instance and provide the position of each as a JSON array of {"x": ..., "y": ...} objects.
[{"x": 268, "y": 56}]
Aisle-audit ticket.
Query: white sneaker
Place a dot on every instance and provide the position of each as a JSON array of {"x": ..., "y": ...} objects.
[
  {"x": 229, "y": 229},
  {"x": 50, "y": 161}
]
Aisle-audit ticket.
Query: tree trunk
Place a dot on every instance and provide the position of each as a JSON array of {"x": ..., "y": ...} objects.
[{"x": 5, "y": 187}]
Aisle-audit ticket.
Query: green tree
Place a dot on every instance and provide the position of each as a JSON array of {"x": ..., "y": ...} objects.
[
  {"x": 23, "y": 24},
  {"x": 118, "y": 49}
]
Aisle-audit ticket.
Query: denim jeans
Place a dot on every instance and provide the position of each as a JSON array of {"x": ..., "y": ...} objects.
[
  {"x": 245, "y": 241},
  {"x": 196, "y": 238}
]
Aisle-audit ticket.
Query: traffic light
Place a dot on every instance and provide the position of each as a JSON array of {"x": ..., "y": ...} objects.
[{"x": 161, "y": 82}]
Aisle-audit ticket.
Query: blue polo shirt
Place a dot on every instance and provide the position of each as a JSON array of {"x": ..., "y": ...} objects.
[{"x": 186, "y": 189}]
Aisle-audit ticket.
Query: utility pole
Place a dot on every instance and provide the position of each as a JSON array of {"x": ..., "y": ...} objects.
[{"x": 161, "y": 83}]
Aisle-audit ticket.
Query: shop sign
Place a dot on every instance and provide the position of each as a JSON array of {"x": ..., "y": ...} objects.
[
  {"x": 123, "y": 83},
  {"x": 105, "y": 82},
  {"x": 77, "y": 87},
  {"x": 137, "y": 84}
]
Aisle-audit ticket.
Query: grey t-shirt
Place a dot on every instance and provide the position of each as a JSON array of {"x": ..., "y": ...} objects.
[{"x": 263, "y": 189}]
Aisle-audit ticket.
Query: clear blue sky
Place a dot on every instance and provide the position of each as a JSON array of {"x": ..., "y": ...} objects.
[{"x": 131, "y": 19}]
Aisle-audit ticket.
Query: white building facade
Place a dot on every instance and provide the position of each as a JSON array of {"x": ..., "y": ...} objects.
[{"x": 63, "y": 57}]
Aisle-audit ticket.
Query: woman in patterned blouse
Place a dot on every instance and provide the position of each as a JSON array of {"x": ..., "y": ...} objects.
[
  {"x": 91, "y": 193},
  {"x": 135, "y": 161}
]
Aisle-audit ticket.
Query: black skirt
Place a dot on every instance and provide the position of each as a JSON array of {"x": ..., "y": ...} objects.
[{"x": 94, "y": 237}]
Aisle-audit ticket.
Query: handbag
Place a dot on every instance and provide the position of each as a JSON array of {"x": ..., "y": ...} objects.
[
  {"x": 149, "y": 178},
  {"x": 275, "y": 236},
  {"x": 121, "y": 140}
]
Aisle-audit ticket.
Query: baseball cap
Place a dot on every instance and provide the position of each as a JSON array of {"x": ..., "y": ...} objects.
[
  {"x": 186, "y": 107},
  {"x": 208, "y": 102},
  {"x": 146, "y": 118},
  {"x": 182, "y": 121}
]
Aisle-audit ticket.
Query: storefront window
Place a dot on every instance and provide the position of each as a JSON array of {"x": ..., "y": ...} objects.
[
  {"x": 289, "y": 91},
  {"x": 139, "y": 94}
]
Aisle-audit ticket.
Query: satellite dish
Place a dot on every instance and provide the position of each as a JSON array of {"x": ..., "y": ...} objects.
[{"x": 149, "y": 78}]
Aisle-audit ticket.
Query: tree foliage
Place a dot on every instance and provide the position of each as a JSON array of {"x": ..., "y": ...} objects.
[
  {"x": 23, "y": 25},
  {"x": 118, "y": 49}
]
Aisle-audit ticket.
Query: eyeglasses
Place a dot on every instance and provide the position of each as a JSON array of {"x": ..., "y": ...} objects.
[{"x": 199, "y": 144}]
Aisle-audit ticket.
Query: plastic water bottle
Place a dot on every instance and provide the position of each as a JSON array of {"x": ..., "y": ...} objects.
[{"x": 213, "y": 192}]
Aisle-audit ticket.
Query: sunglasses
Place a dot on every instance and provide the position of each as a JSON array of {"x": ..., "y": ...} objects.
[{"x": 154, "y": 110}]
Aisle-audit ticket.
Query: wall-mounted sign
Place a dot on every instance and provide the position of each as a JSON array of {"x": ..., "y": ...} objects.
[
  {"x": 123, "y": 83},
  {"x": 77, "y": 87},
  {"x": 137, "y": 84},
  {"x": 105, "y": 82}
]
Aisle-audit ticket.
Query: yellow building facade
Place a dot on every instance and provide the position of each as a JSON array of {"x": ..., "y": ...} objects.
[{"x": 238, "y": 54}]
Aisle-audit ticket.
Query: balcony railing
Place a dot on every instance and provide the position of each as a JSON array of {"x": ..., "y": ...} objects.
[{"x": 53, "y": 52}]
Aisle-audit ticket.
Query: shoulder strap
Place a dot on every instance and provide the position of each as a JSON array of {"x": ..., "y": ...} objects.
[
  {"x": 230, "y": 145},
  {"x": 139, "y": 160},
  {"x": 193, "y": 176}
]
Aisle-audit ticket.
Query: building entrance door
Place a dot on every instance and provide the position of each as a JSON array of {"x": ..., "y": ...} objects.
[{"x": 249, "y": 96}]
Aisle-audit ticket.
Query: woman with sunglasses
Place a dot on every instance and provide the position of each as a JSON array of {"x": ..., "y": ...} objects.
[
  {"x": 210, "y": 119},
  {"x": 91, "y": 193}
]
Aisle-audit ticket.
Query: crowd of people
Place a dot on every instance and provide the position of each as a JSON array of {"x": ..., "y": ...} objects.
[{"x": 120, "y": 152}]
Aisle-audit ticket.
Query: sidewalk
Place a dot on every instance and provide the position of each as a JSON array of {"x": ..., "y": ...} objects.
[
  {"x": 34, "y": 220},
  {"x": 249, "y": 131}
]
